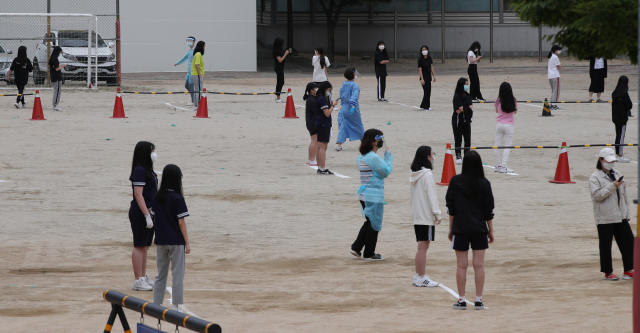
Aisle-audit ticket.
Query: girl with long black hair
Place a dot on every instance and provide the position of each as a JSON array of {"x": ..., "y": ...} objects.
[
  {"x": 597, "y": 74},
  {"x": 553, "y": 74},
  {"x": 320, "y": 66},
  {"x": 506, "y": 107},
  {"x": 310, "y": 117},
  {"x": 278, "y": 58},
  {"x": 144, "y": 183},
  {"x": 324, "y": 108},
  {"x": 461, "y": 118},
  {"x": 470, "y": 203},
  {"x": 425, "y": 67},
  {"x": 381, "y": 59},
  {"x": 473, "y": 57},
  {"x": 172, "y": 241},
  {"x": 21, "y": 66},
  {"x": 620, "y": 111},
  {"x": 55, "y": 70},
  {"x": 197, "y": 72}
]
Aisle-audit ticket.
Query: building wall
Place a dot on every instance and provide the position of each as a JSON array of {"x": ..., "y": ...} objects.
[{"x": 154, "y": 32}]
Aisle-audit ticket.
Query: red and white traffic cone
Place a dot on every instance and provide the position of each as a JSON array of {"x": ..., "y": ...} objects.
[
  {"x": 203, "y": 109},
  {"x": 37, "y": 108},
  {"x": 563, "y": 175},
  {"x": 290, "y": 108},
  {"x": 118, "y": 108},
  {"x": 448, "y": 169}
]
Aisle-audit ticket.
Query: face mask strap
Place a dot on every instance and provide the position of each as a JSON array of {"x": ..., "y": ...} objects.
[{"x": 378, "y": 137}]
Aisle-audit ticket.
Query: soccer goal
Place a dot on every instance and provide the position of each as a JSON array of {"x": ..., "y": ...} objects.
[{"x": 86, "y": 56}]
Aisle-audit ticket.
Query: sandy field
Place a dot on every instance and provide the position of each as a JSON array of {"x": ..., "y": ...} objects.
[{"x": 270, "y": 238}]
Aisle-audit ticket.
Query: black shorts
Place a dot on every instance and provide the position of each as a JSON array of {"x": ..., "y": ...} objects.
[
  {"x": 425, "y": 232},
  {"x": 324, "y": 133},
  {"x": 478, "y": 242},
  {"x": 312, "y": 132},
  {"x": 142, "y": 236}
]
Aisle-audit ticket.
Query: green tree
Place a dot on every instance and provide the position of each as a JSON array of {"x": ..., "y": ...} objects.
[
  {"x": 333, "y": 9},
  {"x": 600, "y": 28}
]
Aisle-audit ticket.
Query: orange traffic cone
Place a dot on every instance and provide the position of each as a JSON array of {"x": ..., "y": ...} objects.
[
  {"x": 203, "y": 109},
  {"x": 563, "y": 176},
  {"x": 290, "y": 109},
  {"x": 449, "y": 169},
  {"x": 118, "y": 108},
  {"x": 37, "y": 108}
]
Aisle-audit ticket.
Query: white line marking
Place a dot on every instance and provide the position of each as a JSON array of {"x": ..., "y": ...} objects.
[
  {"x": 411, "y": 106},
  {"x": 629, "y": 161},
  {"x": 299, "y": 106},
  {"x": 3, "y": 181},
  {"x": 178, "y": 107},
  {"x": 334, "y": 173},
  {"x": 510, "y": 173},
  {"x": 181, "y": 306}
]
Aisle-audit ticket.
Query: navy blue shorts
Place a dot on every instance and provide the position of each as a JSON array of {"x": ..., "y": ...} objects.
[
  {"x": 478, "y": 242},
  {"x": 425, "y": 232},
  {"x": 142, "y": 236},
  {"x": 324, "y": 133}
]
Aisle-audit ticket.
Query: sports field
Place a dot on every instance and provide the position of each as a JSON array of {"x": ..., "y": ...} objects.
[{"x": 270, "y": 238}]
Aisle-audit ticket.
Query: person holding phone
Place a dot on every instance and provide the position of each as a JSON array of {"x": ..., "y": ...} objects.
[
  {"x": 324, "y": 108},
  {"x": 473, "y": 57},
  {"x": 612, "y": 213},
  {"x": 55, "y": 69},
  {"x": 278, "y": 58}
]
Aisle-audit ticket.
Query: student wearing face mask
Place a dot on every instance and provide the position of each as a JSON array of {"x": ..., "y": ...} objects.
[
  {"x": 320, "y": 66},
  {"x": 349, "y": 119},
  {"x": 324, "y": 108},
  {"x": 310, "y": 117},
  {"x": 188, "y": 56},
  {"x": 197, "y": 72},
  {"x": 597, "y": 74},
  {"x": 620, "y": 112},
  {"x": 381, "y": 59},
  {"x": 612, "y": 213},
  {"x": 278, "y": 58},
  {"x": 373, "y": 171},
  {"x": 473, "y": 57},
  {"x": 425, "y": 68},
  {"x": 144, "y": 183},
  {"x": 553, "y": 71},
  {"x": 461, "y": 118}
]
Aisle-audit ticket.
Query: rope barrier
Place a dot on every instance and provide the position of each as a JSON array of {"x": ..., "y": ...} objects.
[
  {"x": 195, "y": 92},
  {"x": 14, "y": 95},
  {"x": 557, "y": 147}
]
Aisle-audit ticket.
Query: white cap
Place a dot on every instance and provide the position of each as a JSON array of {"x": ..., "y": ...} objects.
[{"x": 608, "y": 154}]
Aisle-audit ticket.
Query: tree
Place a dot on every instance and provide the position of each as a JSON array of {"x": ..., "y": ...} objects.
[
  {"x": 333, "y": 9},
  {"x": 600, "y": 28}
]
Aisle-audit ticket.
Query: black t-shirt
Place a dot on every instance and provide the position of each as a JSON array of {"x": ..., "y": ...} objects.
[
  {"x": 310, "y": 113},
  {"x": 381, "y": 70},
  {"x": 467, "y": 115},
  {"x": 149, "y": 190},
  {"x": 167, "y": 216},
  {"x": 55, "y": 75},
  {"x": 321, "y": 105},
  {"x": 21, "y": 70},
  {"x": 425, "y": 64},
  {"x": 471, "y": 212},
  {"x": 278, "y": 66}
]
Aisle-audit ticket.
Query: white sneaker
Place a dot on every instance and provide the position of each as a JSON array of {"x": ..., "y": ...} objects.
[
  {"x": 623, "y": 159},
  {"x": 141, "y": 285},
  {"x": 195, "y": 109},
  {"x": 148, "y": 280},
  {"x": 176, "y": 307},
  {"x": 55, "y": 108},
  {"x": 17, "y": 105},
  {"x": 459, "y": 161},
  {"x": 429, "y": 109},
  {"x": 279, "y": 100},
  {"x": 338, "y": 148},
  {"x": 312, "y": 163},
  {"x": 503, "y": 169},
  {"x": 424, "y": 282},
  {"x": 190, "y": 104}
]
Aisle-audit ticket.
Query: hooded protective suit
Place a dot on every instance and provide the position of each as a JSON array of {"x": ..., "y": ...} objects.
[
  {"x": 349, "y": 119},
  {"x": 372, "y": 189}
]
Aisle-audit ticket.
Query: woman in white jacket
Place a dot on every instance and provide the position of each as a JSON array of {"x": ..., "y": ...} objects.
[
  {"x": 425, "y": 211},
  {"x": 612, "y": 213}
]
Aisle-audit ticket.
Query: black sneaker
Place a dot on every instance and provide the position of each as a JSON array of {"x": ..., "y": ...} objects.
[
  {"x": 460, "y": 306},
  {"x": 324, "y": 172},
  {"x": 479, "y": 306},
  {"x": 376, "y": 256},
  {"x": 356, "y": 253}
]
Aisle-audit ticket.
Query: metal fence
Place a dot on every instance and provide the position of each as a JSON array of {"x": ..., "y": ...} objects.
[{"x": 41, "y": 34}]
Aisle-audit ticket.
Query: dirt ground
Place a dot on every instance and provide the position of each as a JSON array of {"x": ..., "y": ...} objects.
[{"x": 270, "y": 238}]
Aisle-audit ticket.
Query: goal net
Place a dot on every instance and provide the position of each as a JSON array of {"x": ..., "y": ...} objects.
[{"x": 88, "y": 59}]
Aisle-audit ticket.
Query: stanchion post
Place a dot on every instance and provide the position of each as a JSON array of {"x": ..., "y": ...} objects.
[{"x": 442, "y": 28}]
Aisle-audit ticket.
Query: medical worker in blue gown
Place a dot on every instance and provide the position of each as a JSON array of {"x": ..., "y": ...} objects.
[
  {"x": 191, "y": 42},
  {"x": 373, "y": 171},
  {"x": 349, "y": 120}
]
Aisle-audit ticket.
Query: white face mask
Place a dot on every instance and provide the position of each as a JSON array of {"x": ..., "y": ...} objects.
[
  {"x": 559, "y": 51},
  {"x": 381, "y": 47},
  {"x": 476, "y": 50},
  {"x": 154, "y": 157},
  {"x": 327, "y": 94},
  {"x": 607, "y": 165},
  {"x": 425, "y": 52}
]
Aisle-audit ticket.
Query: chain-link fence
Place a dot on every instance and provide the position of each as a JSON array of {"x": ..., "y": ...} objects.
[{"x": 42, "y": 34}]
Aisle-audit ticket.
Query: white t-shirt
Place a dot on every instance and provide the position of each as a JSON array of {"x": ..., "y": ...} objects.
[
  {"x": 599, "y": 63},
  {"x": 318, "y": 72},
  {"x": 471, "y": 56},
  {"x": 554, "y": 62}
]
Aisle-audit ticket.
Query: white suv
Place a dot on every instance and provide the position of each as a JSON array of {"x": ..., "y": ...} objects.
[{"x": 74, "y": 54}]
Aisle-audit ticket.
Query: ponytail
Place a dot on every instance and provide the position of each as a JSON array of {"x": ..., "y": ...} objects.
[{"x": 320, "y": 51}]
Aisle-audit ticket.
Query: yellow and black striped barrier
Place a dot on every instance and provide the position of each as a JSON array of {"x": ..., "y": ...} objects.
[
  {"x": 557, "y": 147},
  {"x": 559, "y": 102},
  {"x": 195, "y": 92},
  {"x": 14, "y": 95}
]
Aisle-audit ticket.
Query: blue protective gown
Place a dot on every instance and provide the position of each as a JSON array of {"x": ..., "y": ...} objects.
[
  {"x": 373, "y": 192},
  {"x": 349, "y": 126},
  {"x": 187, "y": 56}
]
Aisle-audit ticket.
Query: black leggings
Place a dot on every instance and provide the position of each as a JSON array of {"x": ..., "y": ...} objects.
[
  {"x": 280, "y": 82},
  {"x": 426, "y": 98},
  {"x": 474, "y": 81},
  {"x": 367, "y": 238},
  {"x": 462, "y": 131},
  {"x": 624, "y": 237},
  {"x": 21, "y": 92},
  {"x": 382, "y": 85},
  {"x": 621, "y": 129}
]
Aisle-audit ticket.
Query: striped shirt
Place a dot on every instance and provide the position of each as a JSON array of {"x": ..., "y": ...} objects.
[{"x": 365, "y": 176}]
